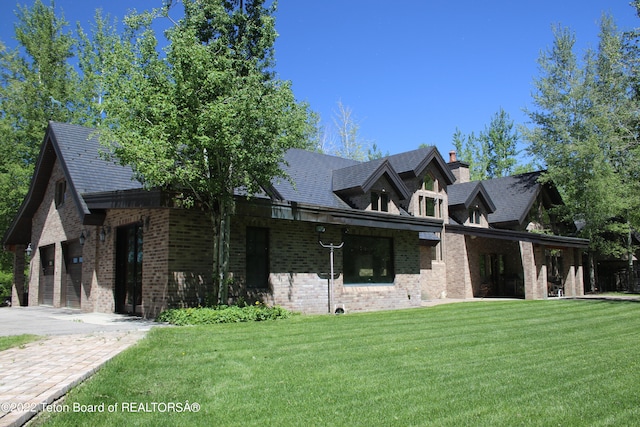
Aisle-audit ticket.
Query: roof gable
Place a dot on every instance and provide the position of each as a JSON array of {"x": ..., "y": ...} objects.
[
  {"x": 414, "y": 163},
  {"x": 359, "y": 179},
  {"x": 512, "y": 196},
  {"x": 77, "y": 149},
  {"x": 463, "y": 195}
]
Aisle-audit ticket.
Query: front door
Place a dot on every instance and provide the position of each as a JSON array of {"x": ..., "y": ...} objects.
[{"x": 128, "y": 292}]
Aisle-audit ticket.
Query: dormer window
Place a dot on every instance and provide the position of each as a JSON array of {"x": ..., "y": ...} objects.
[
  {"x": 429, "y": 183},
  {"x": 61, "y": 192},
  {"x": 475, "y": 216},
  {"x": 380, "y": 202}
]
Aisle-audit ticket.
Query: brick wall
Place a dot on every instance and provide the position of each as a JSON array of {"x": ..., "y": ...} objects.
[
  {"x": 190, "y": 262},
  {"x": 19, "y": 279},
  {"x": 300, "y": 268},
  {"x": 52, "y": 226},
  {"x": 458, "y": 276},
  {"x": 155, "y": 255},
  {"x": 433, "y": 275}
]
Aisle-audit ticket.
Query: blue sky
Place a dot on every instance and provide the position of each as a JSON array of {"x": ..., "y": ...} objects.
[{"x": 410, "y": 71}]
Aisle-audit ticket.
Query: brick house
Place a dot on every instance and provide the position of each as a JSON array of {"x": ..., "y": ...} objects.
[{"x": 412, "y": 227}]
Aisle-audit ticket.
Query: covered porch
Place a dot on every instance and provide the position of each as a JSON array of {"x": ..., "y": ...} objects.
[{"x": 512, "y": 264}]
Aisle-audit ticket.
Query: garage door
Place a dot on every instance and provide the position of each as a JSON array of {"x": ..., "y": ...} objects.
[
  {"x": 73, "y": 278},
  {"x": 47, "y": 258}
]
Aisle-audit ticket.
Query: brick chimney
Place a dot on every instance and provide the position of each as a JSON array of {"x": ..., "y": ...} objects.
[{"x": 459, "y": 169}]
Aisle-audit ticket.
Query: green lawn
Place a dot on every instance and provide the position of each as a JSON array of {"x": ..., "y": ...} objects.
[
  {"x": 17, "y": 340},
  {"x": 561, "y": 362}
]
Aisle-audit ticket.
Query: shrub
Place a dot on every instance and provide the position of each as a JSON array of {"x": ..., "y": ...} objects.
[
  {"x": 6, "y": 279},
  {"x": 222, "y": 314}
]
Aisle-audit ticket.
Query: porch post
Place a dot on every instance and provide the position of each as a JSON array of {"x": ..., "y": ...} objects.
[
  {"x": 528, "y": 269},
  {"x": 569, "y": 272},
  {"x": 579, "y": 273},
  {"x": 541, "y": 264}
]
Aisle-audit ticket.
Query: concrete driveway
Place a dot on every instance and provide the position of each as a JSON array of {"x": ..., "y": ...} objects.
[{"x": 65, "y": 321}]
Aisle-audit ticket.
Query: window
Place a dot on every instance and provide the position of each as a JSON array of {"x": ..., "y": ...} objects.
[
  {"x": 61, "y": 191},
  {"x": 429, "y": 183},
  {"x": 257, "y": 260},
  {"x": 431, "y": 207},
  {"x": 368, "y": 259},
  {"x": 475, "y": 216},
  {"x": 384, "y": 203},
  {"x": 380, "y": 202}
]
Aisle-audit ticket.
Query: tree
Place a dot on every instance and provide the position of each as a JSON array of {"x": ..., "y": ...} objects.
[
  {"x": 92, "y": 49},
  {"x": 37, "y": 84},
  {"x": 584, "y": 135},
  {"x": 208, "y": 118},
  {"x": 500, "y": 140},
  {"x": 471, "y": 151},
  {"x": 350, "y": 145},
  {"x": 493, "y": 153}
]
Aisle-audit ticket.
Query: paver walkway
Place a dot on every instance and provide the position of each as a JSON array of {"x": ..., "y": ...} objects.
[
  {"x": 33, "y": 376},
  {"x": 74, "y": 346}
]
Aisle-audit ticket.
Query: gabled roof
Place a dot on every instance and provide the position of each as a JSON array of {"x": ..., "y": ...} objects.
[
  {"x": 463, "y": 195},
  {"x": 312, "y": 176},
  {"x": 512, "y": 196},
  {"x": 414, "y": 163},
  {"x": 359, "y": 179},
  {"x": 78, "y": 151}
]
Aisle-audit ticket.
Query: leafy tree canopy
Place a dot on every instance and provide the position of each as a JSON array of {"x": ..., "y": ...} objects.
[{"x": 208, "y": 116}]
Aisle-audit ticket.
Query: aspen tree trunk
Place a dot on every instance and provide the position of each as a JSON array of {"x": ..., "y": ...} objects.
[{"x": 221, "y": 221}]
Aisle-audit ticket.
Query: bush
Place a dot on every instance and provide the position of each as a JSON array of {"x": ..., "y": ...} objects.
[
  {"x": 222, "y": 314},
  {"x": 6, "y": 280}
]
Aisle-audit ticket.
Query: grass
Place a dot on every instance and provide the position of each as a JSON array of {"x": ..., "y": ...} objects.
[
  {"x": 17, "y": 340},
  {"x": 563, "y": 362}
]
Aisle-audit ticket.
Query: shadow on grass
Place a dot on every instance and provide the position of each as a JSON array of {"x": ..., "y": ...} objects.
[{"x": 609, "y": 299}]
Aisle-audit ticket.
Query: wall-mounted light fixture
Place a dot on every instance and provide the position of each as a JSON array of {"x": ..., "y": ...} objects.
[
  {"x": 83, "y": 237},
  {"x": 29, "y": 250},
  {"x": 104, "y": 232},
  {"x": 145, "y": 221}
]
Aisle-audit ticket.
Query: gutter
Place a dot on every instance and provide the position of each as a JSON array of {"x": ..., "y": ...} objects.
[
  {"x": 294, "y": 211},
  {"x": 540, "y": 239}
]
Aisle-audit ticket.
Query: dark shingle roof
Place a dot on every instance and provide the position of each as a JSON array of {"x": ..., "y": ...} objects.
[
  {"x": 414, "y": 162},
  {"x": 359, "y": 178},
  {"x": 90, "y": 173},
  {"x": 464, "y": 194},
  {"x": 513, "y": 196},
  {"x": 78, "y": 150},
  {"x": 312, "y": 174}
]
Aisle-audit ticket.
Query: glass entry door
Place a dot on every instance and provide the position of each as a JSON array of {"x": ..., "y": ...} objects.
[{"x": 129, "y": 269}]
